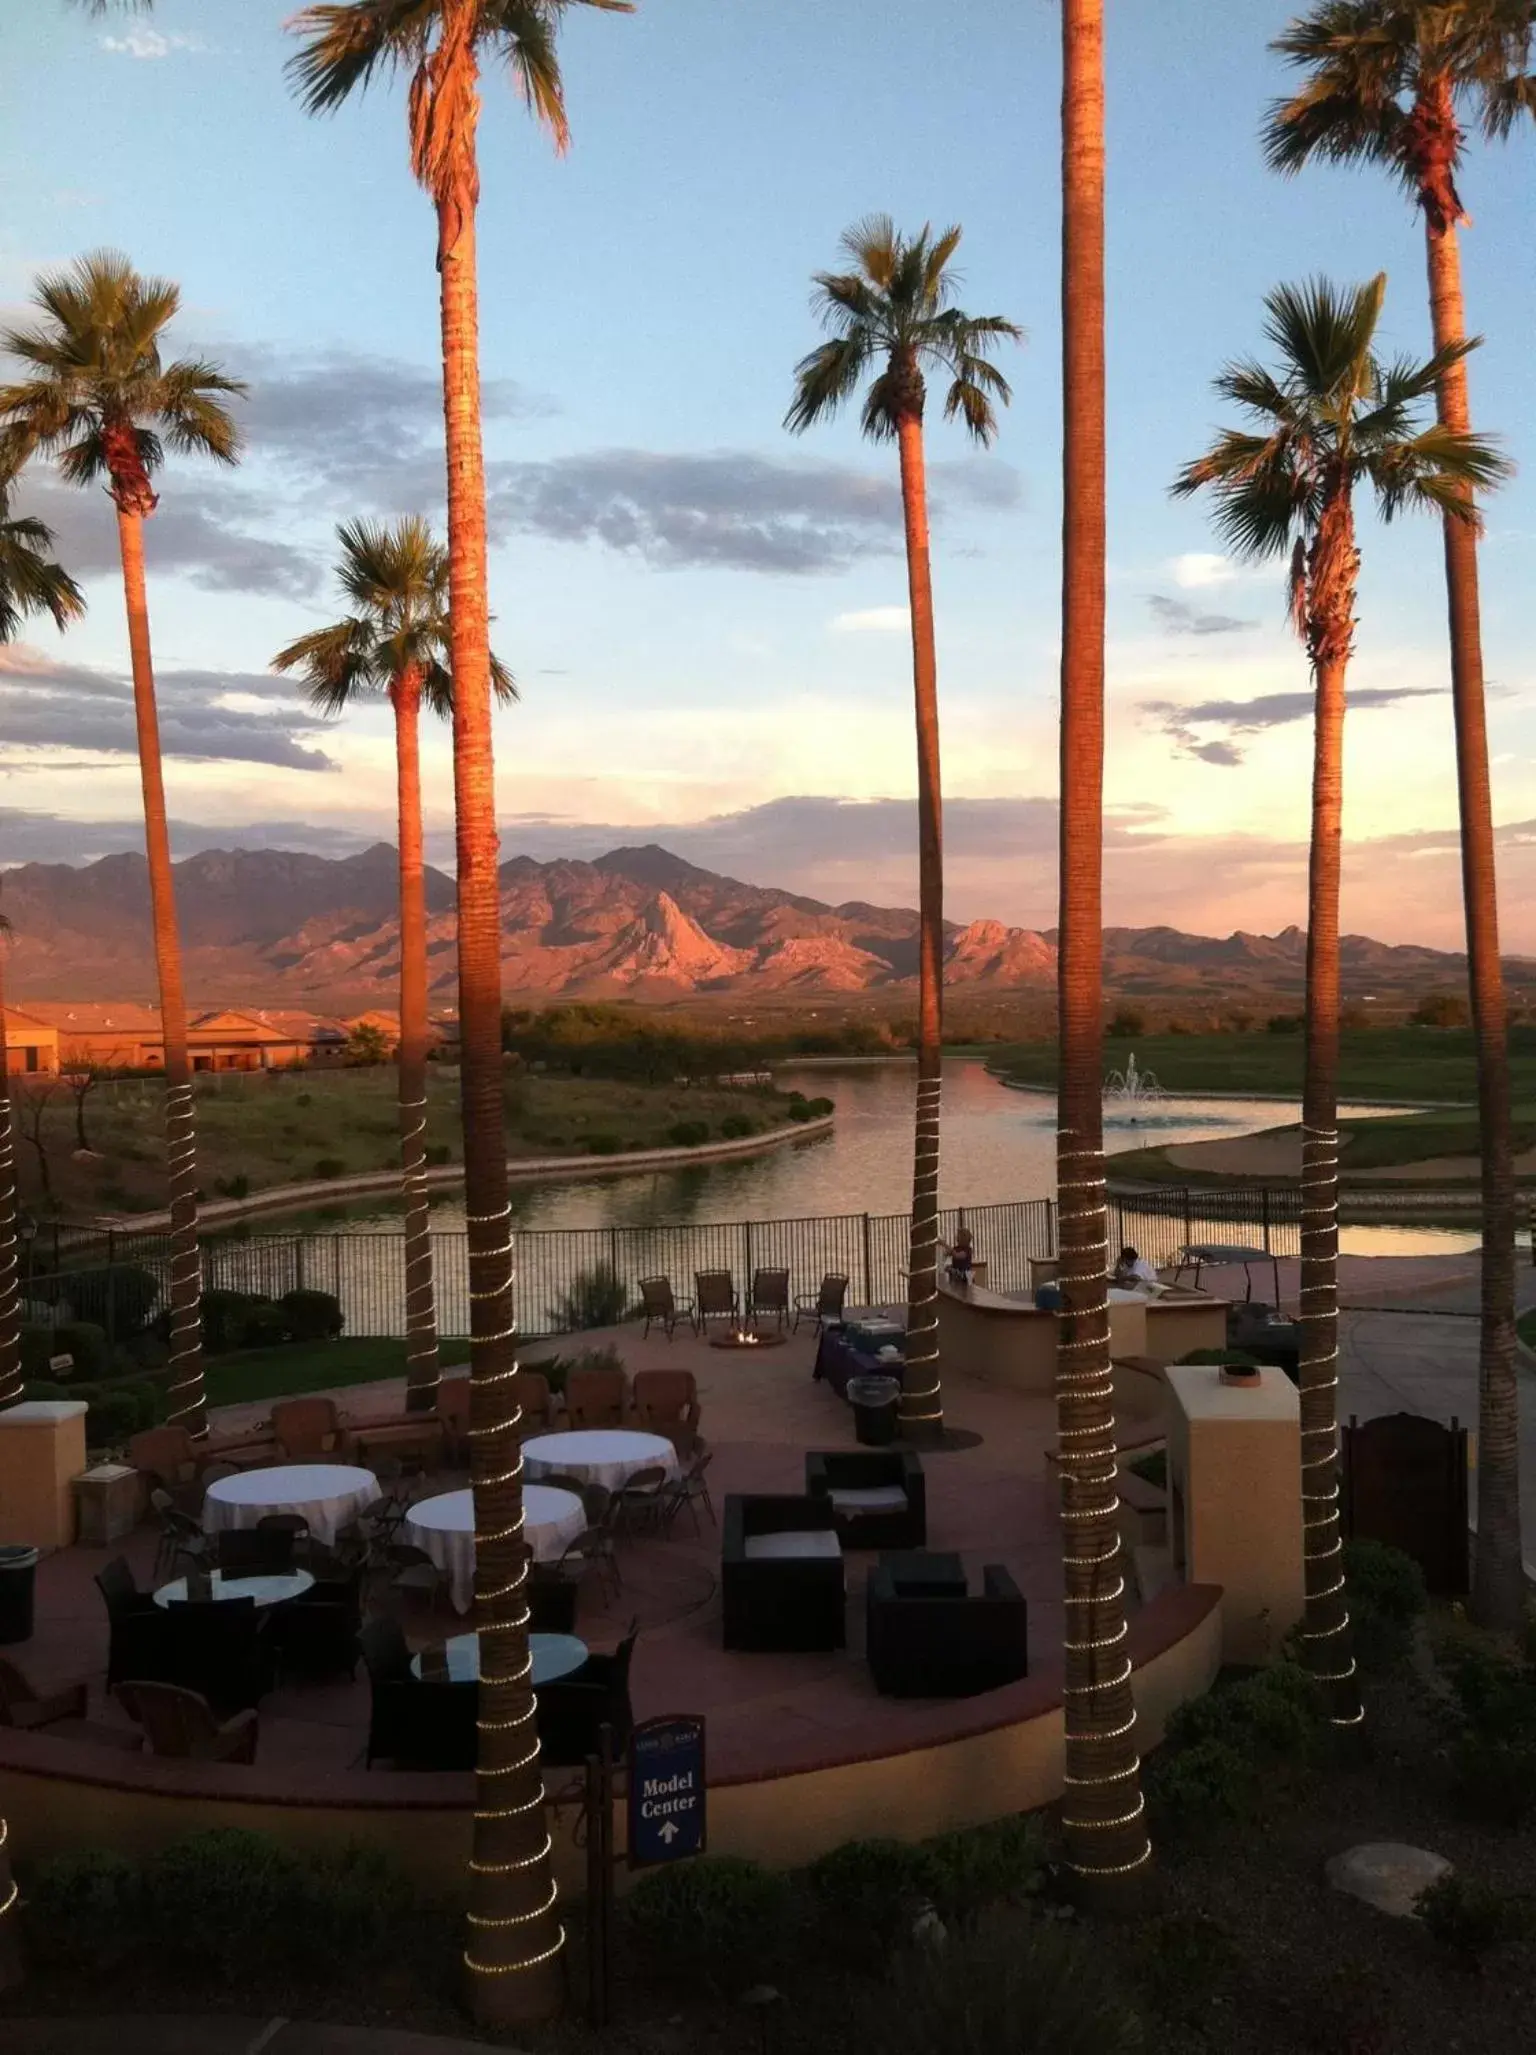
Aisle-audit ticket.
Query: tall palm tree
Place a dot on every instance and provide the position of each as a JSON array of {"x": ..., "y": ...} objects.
[
  {"x": 1330, "y": 419},
  {"x": 1104, "y": 1816},
  {"x": 1388, "y": 82},
  {"x": 515, "y": 1936},
  {"x": 101, "y": 399},
  {"x": 396, "y": 643},
  {"x": 31, "y": 582},
  {"x": 891, "y": 318}
]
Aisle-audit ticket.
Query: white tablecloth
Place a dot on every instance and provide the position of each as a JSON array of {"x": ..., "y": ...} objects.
[
  {"x": 327, "y": 1495},
  {"x": 599, "y": 1455},
  {"x": 444, "y": 1527}
]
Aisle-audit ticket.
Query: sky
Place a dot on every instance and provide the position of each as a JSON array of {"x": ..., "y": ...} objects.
[{"x": 705, "y": 615}]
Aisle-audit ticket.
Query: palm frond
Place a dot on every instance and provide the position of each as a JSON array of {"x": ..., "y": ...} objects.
[
  {"x": 827, "y": 379},
  {"x": 31, "y": 580},
  {"x": 347, "y": 42},
  {"x": 503, "y": 684},
  {"x": 875, "y": 248}
]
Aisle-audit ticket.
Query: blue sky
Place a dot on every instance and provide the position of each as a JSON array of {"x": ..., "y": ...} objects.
[{"x": 704, "y": 614}]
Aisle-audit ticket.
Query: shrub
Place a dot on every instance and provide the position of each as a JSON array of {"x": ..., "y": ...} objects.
[
  {"x": 1177, "y": 1961},
  {"x": 871, "y": 1889},
  {"x": 1439, "y": 1010},
  {"x": 1470, "y": 1919},
  {"x": 1005, "y": 1984},
  {"x": 120, "y": 1299},
  {"x": 799, "y": 1109},
  {"x": 78, "y": 1338},
  {"x": 604, "y": 1144},
  {"x": 1285, "y": 1024},
  {"x": 720, "y": 1914},
  {"x": 1221, "y": 1752},
  {"x": 236, "y": 1187},
  {"x": 114, "y": 1417},
  {"x": 1192, "y": 1790},
  {"x": 737, "y": 1125},
  {"x": 328, "y": 1166},
  {"x": 974, "y": 1867},
  {"x": 687, "y": 1134},
  {"x": 224, "y": 1319},
  {"x": 83, "y": 1913},
  {"x": 819, "y": 1108},
  {"x": 1126, "y": 1020},
  {"x": 265, "y": 1326},
  {"x": 311, "y": 1315},
  {"x": 1386, "y": 1594},
  {"x": 436, "y": 1152},
  {"x": 598, "y": 1297}
]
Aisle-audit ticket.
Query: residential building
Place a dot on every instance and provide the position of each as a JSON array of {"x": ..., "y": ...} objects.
[{"x": 31, "y": 1045}]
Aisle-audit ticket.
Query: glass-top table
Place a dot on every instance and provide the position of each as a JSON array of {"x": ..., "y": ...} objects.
[
  {"x": 265, "y": 1590},
  {"x": 554, "y": 1655}
]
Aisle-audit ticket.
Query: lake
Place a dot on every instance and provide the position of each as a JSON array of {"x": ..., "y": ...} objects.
[{"x": 998, "y": 1144}]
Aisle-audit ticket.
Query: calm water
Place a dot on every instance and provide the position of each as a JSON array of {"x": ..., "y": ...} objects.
[{"x": 998, "y": 1145}]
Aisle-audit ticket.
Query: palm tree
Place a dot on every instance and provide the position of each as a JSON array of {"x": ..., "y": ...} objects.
[
  {"x": 1104, "y": 1816},
  {"x": 101, "y": 399},
  {"x": 891, "y": 318},
  {"x": 30, "y": 583},
  {"x": 1388, "y": 82},
  {"x": 397, "y": 643},
  {"x": 1333, "y": 417},
  {"x": 515, "y": 1936}
]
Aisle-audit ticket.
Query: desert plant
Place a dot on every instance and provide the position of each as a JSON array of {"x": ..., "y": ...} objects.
[
  {"x": 597, "y": 1297},
  {"x": 1471, "y": 1919},
  {"x": 1387, "y": 1596},
  {"x": 688, "y": 1134}
]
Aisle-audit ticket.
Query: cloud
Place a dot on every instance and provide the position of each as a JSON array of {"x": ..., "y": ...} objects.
[
  {"x": 873, "y": 621},
  {"x": 51, "y": 706},
  {"x": 1252, "y": 716},
  {"x": 1180, "y": 618},
  {"x": 1199, "y": 569},
  {"x": 723, "y": 509},
  {"x": 148, "y": 43},
  {"x": 200, "y": 531},
  {"x": 38, "y": 837}
]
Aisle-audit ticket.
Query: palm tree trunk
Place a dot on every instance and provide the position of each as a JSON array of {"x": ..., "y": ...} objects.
[
  {"x": 1498, "y": 1581},
  {"x": 10, "y": 1287},
  {"x": 1325, "y": 1630},
  {"x": 922, "y": 1399},
  {"x": 515, "y": 1935},
  {"x": 1103, "y": 1814},
  {"x": 421, "y": 1367},
  {"x": 185, "y": 1375}
]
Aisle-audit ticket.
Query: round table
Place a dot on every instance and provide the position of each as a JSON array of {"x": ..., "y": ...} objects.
[
  {"x": 444, "y": 1527},
  {"x": 554, "y": 1655},
  {"x": 599, "y": 1455},
  {"x": 326, "y": 1496},
  {"x": 265, "y": 1590}
]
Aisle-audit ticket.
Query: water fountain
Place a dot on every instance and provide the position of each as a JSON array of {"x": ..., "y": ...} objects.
[{"x": 1130, "y": 1092}]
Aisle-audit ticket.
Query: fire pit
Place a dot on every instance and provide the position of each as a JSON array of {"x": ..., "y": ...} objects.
[{"x": 747, "y": 1338}]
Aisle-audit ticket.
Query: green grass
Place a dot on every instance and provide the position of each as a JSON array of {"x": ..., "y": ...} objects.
[
  {"x": 310, "y": 1366},
  {"x": 1433, "y": 1065},
  {"x": 1384, "y": 1142}
]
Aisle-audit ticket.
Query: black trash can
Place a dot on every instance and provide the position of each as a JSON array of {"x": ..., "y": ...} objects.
[
  {"x": 874, "y": 1401},
  {"x": 18, "y": 1574}
]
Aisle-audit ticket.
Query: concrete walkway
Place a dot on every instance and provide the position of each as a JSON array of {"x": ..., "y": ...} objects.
[{"x": 219, "y": 2036}]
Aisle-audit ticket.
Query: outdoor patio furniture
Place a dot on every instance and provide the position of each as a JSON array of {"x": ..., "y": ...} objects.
[
  {"x": 691, "y": 1490},
  {"x": 839, "y": 1357},
  {"x": 641, "y": 1499},
  {"x": 596, "y": 1398},
  {"x": 781, "y": 1574},
  {"x": 453, "y": 1418},
  {"x": 443, "y": 1528},
  {"x": 176, "y": 1462},
  {"x": 181, "y": 1538},
  {"x": 878, "y": 1496},
  {"x": 769, "y": 1296},
  {"x": 551, "y": 1600},
  {"x": 715, "y": 1298},
  {"x": 137, "y": 1638},
  {"x": 413, "y": 1572},
  {"x": 259, "y": 1551},
  {"x": 531, "y": 1390},
  {"x": 21, "y": 1706},
  {"x": 328, "y": 1495},
  {"x": 218, "y": 1648},
  {"x": 594, "y": 1549},
  {"x": 292, "y": 1524},
  {"x": 419, "y": 1440},
  {"x": 660, "y": 1304},
  {"x": 388, "y": 1662},
  {"x": 178, "y": 1722},
  {"x": 925, "y": 1640},
  {"x": 608, "y": 1456},
  {"x": 573, "y": 1710},
  {"x": 316, "y": 1636},
  {"x": 1198, "y": 1256},
  {"x": 307, "y": 1429},
  {"x": 665, "y": 1400},
  {"x": 415, "y": 1725},
  {"x": 825, "y": 1304}
]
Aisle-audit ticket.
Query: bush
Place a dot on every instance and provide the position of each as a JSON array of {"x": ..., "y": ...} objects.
[
  {"x": 1237, "y": 1359},
  {"x": 120, "y": 1299},
  {"x": 77, "y": 1338},
  {"x": 1178, "y": 1958},
  {"x": 1440, "y": 1010},
  {"x": 435, "y": 1153},
  {"x": 1469, "y": 1919},
  {"x": 236, "y": 1187},
  {"x": 265, "y": 1326},
  {"x": 820, "y": 1108},
  {"x": 84, "y": 1913},
  {"x": 604, "y": 1144},
  {"x": 1285, "y": 1023},
  {"x": 1492, "y": 1751},
  {"x": 1000, "y": 1987},
  {"x": 311, "y": 1315},
  {"x": 871, "y": 1890},
  {"x": 1386, "y": 1594},
  {"x": 113, "y": 1418},
  {"x": 719, "y": 1914},
  {"x": 1000, "y": 1862},
  {"x": 737, "y": 1125},
  {"x": 1221, "y": 1753},
  {"x": 225, "y": 1314},
  {"x": 328, "y": 1166},
  {"x": 1126, "y": 1020},
  {"x": 687, "y": 1134},
  {"x": 598, "y": 1297}
]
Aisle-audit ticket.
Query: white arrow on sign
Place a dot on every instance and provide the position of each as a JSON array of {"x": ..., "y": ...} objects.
[{"x": 668, "y": 1832}]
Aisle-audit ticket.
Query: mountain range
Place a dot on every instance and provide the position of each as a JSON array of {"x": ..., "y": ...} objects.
[{"x": 277, "y": 927}]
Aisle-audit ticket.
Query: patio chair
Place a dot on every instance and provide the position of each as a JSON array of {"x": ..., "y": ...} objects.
[
  {"x": 388, "y": 1662},
  {"x": 878, "y": 1496},
  {"x": 413, "y": 1572},
  {"x": 640, "y": 1499},
  {"x": 260, "y": 1551},
  {"x": 690, "y": 1490},
  {"x": 572, "y": 1711},
  {"x": 596, "y": 1398},
  {"x": 769, "y": 1295},
  {"x": 715, "y": 1298},
  {"x": 825, "y": 1304},
  {"x": 181, "y": 1538},
  {"x": 21, "y": 1706},
  {"x": 665, "y": 1400},
  {"x": 219, "y": 1649},
  {"x": 661, "y": 1305},
  {"x": 316, "y": 1635},
  {"x": 168, "y": 1455},
  {"x": 178, "y": 1722},
  {"x": 531, "y": 1390},
  {"x": 453, "y": 1418},
  {"x": 307, "y": 1429},
  {"x": 136, "y": 1625},
  {"x": 293, "y": 1524},
  {"x": 781, "y": 1574},
  {"x": 593, "y": 1549},
  {"x": 925, "y": 1641},
  {"x": 551, "y": 1600}
]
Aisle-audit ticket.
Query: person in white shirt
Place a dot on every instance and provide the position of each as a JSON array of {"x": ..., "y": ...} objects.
[{"x": 1134, "y": 1273}]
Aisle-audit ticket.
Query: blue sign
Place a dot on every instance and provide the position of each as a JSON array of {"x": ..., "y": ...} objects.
[{"x": 666, "y": 1790}]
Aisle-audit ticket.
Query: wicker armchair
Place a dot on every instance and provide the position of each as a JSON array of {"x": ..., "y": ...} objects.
[{"x": 178, "y": 1722}]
